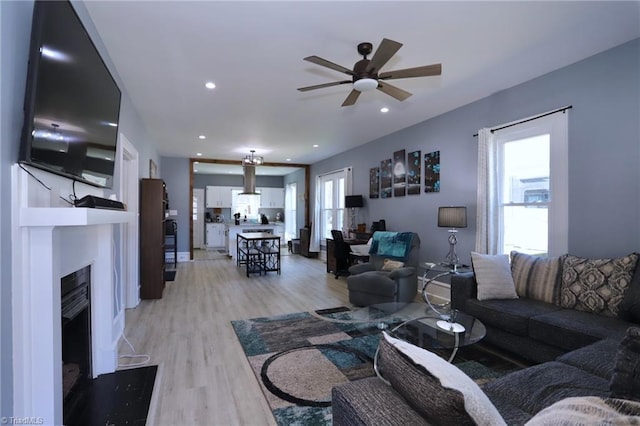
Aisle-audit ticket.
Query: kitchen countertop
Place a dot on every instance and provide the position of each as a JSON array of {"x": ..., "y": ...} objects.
[{"x": 254, "y": 225}]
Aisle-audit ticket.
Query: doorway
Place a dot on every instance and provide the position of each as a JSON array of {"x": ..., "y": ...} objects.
[{"x": 129, "y": 191}]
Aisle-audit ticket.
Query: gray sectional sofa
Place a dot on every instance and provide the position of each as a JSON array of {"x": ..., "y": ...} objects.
[
  {"x": 541, "y": 331},
  {"x": 584, "y": 374},
  {"x": 586, "y": 359}
]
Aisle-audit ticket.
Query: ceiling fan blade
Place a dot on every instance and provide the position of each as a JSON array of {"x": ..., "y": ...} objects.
[
  {"x": 385, "y": 51},
  {"x": 352, "y": 98},
  {"x": 393, "y": 91},
  {"x": 320, "y": 86},
  {"x": 424, "y": 71},
  {"x": 323, "y": 62}
]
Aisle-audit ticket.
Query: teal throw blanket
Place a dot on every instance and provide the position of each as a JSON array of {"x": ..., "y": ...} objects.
[{"x": 395, "y": 245}]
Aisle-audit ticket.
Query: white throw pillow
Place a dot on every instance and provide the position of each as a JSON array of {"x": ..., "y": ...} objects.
[
  {"x": 493, "y": 275},
  {"x": 476, "y": 403}
]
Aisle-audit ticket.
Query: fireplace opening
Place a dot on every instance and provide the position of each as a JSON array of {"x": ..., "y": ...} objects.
[{"x": 76, "y": 339}]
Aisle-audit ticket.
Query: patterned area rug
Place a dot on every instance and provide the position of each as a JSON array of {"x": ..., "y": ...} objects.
[{"x": 299, "y": 357}]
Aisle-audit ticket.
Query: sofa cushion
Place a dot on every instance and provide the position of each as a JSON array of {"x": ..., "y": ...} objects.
[
  {"x": 511, "y": 315},
  {"x": 629, "y": 308},
  {"x": 570, "y": 329},
  {"x": 625, "y": 381},
  {"x": 493, "y": 276},
  {"x": 596, "y": 285},
  {"x": 370, "y": 401},
  {"x": 595, "y": 358},
  {"x": 374, "y": 282},
  {"x": 536, "y": 277},
  {"x": 539, "y": 386},
  {"x": 438, "y": 390},
  {"x": 588, "y": 410}
]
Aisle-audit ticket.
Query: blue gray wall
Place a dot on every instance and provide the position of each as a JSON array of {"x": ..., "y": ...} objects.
[
  {"x": 175, "y": 173},
  {"x": 15, "y": 33},
  {"x": 604, "y": 151}
]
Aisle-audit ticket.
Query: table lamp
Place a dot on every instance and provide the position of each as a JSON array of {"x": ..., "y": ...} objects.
[
  {"x": 353, "y": 202},
  {"x": 452, "y": 218}
]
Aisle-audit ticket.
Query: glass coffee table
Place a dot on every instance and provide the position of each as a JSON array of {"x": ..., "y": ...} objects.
[{"x": 419, "y": 324}]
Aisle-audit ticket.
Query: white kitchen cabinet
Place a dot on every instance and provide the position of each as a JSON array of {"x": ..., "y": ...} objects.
[
  {"x": 218, "y": 196},
  {"x": 216, "y": 235},
  {"x": 271, "y": 197}
]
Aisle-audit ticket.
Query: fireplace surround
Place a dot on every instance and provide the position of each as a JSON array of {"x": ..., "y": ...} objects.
[{"x": 50, "y": 243}]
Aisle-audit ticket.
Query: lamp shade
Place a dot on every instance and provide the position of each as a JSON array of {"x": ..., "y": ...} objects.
[
  {"x": 351, "y": 201},
  {"x": 452, "y": 217}
]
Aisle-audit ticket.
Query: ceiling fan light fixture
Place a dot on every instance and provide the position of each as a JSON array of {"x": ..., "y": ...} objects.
[{"x": 365, "y": 84}]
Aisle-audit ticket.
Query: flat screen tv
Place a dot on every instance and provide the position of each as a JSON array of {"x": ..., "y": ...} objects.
[{"x": 72, "y": 103}]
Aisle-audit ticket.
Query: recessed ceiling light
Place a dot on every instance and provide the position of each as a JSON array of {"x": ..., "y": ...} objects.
[
  {"x": 202, "y": 137},
  {"x": 210, "y": 85},
  {"x": 199, "y": 154},
  {"x": 384, "y": 110},
  {"x": 315, "y": 145},
  {"x": 288, "y": 159}
]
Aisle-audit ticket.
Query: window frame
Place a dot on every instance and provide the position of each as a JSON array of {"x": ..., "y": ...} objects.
[
  {"x": 340, "y": 182},
  {"x": 556, "y": 125}
]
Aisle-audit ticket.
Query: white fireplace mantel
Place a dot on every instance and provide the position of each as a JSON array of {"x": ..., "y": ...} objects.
[
  {"x": 72, "y": 216},
  {"x": 53, "y": 242}
]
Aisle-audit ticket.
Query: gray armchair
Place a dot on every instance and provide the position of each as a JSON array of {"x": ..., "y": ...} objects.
[{"x": 368, "y": 284}]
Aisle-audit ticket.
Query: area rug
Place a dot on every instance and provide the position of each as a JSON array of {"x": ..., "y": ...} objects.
[{"x": 297, "y": 359}]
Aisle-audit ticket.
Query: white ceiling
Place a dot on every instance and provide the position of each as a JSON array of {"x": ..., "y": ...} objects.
[{"x": 164, "y": 52}]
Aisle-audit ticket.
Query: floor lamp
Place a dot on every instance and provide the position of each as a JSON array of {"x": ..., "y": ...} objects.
[{"x": 452, "y": 218}]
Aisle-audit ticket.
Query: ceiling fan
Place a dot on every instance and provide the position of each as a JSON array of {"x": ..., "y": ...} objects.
[{"x": 365, "y": 75}]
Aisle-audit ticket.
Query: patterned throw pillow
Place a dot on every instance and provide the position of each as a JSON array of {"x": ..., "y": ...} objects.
[
  {"x": 438, "y": 390},
  {"x": 596, "y": 285},
  {"x": 536, "y": 277}
]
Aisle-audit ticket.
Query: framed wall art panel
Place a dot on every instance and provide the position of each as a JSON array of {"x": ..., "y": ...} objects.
[
  {"x": 432, "y": 172},
  {"x": 386, "y": 181},
  {"x": 413, "y": 172},
  {"x": 374, "y": 182},
  {"x": 399, "y": 173}
]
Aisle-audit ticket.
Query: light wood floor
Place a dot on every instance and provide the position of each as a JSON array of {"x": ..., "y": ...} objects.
[{"x": 203, "y": 375}]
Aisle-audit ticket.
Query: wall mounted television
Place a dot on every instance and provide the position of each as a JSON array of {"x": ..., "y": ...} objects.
[{"x": 72, "y": 102}]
